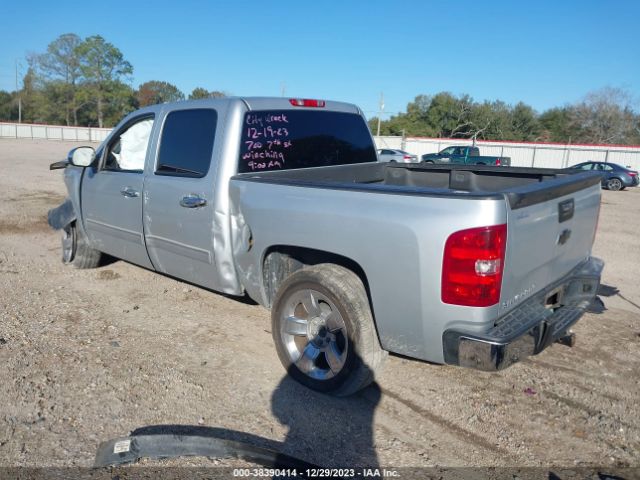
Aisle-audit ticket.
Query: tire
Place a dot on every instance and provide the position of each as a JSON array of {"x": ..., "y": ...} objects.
[
  {"x": 429, "y": 161},
  {"x": 76, "y": 250},
  {"x": 614, "y": 184},
  {"x": 323, "y": 330}
]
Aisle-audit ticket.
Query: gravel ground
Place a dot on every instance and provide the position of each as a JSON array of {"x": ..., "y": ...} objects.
[{"x": 89, "y": 355}]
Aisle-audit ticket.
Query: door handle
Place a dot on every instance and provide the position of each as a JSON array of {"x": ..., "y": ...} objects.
[
  {"x": 192, "y": 201},
  {"x": 129, "y": 192}
]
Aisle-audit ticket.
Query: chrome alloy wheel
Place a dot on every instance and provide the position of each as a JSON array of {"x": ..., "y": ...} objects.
[
  {"x": 314, "y": 334},
  {"x": 68, "y": 243}
]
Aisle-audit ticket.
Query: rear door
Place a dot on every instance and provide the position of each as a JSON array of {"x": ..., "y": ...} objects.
[
  {"x": 179, "y": 209},
  {"x": 112, "y": 193}
]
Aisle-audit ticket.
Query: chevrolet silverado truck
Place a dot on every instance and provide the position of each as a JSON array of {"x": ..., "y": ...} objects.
[
  {"x": 465, "y": 155},
  {"x": 283, "y": 200}
]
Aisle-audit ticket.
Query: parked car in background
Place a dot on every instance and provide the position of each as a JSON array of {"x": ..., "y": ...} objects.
[
  {"x": 389, "y": 155},
  {"x": 614, "y": 177},
  {"x": 466, "y": 155}
]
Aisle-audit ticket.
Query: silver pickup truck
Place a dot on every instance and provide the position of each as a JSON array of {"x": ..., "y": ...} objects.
[{"x": 283, "y": 200}]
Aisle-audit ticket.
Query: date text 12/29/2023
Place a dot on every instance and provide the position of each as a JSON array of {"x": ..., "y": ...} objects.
[{"x": 316, "y": 472}]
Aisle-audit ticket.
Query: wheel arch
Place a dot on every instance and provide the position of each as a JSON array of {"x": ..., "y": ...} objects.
[
  {"x": 280, "y": 261},
  {"x": 63, "y": 215}
]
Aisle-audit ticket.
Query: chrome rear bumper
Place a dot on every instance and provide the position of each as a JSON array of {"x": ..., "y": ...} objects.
[{"x": 529, "y": 328}]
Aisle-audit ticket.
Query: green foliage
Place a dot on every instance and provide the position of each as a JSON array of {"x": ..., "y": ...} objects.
[
  {"x": 85, "y": 82},
  {"x": 58, "y": 72},
  {"x": 103, "y": 68},
  {"x": 524, "y": 123},
  {"x": 556, "y": 125},
  {"x": 604, "y": 116},
  {"x": 199, "y": 93},
  {"x": 8, "y": 107},
  {"x": 154, "y": 92},
  {"x": 77, "y": 82}
]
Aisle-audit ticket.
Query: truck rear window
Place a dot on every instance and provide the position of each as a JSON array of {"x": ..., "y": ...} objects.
[{"x": 286, "y": 139}]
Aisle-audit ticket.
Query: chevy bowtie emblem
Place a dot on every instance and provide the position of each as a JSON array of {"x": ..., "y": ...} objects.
[{"x": 564, "y": 236}]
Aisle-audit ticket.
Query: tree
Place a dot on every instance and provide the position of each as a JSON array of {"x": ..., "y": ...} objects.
[
  {"x": 556, "y": 126},
  {"x": 102, "y": 65},
  {"x": 33, "y": 101},
  {"x": 525, "y": 124},
  {"x": 61, "y": 64},
  {"x": 7, "y": 106},
  {"x": 604, "y": 116},
  {"x": 449, "y": 116},
  {"x": 200, "y": 92},
  {"x": 154, "y": 92}
]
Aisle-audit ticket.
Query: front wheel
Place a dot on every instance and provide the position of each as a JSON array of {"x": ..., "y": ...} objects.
[
  {"x": 614, "y": 184},
  {"x": 76, "y": 249},
  {"x": 323, "y": 330}
]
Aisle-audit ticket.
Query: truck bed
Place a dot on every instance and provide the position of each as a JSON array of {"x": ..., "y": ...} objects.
[
  {"x": 521, "y": 186},
  {"x": 393, "y": 221}
]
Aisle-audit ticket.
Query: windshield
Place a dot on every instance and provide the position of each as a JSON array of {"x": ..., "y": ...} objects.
[{"x": 286, "y": 139}]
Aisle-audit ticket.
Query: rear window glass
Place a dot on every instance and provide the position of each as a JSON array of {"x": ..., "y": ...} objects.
[
  {"x": 187, "y": 143},
  {"x": 286, "y": 139}
]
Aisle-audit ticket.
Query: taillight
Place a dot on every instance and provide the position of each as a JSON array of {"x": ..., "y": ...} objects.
[
  {"x": 632, "y": 174},
  {"x": 407, "y": 157},
  {"x": 306, "y": 102},
  {"x": 473, "y": 265},
  {"x": 498, "y": 161}
]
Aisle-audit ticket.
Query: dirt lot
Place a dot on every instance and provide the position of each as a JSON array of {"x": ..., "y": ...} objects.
[{"x": 88, "y": 355}]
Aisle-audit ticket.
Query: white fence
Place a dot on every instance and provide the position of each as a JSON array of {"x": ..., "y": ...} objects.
[
  {"x": 522, "y": 154},
  {"x": 53, "y": 132},
  {"x": 547, "y": 155}
]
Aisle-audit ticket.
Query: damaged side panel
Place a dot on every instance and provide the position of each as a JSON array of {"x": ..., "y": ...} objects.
[
  {"x": 67, "y": 212},
  {"x": 61, "y": 216}
]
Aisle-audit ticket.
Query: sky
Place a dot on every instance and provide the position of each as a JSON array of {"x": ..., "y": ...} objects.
[{"x": 544, "y": 53}]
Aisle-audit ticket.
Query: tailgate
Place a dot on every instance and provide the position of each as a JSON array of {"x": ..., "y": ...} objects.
[{"x": 550, "y": 230}]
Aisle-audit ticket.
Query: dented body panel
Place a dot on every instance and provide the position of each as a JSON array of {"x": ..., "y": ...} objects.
[{"x": 243, "y": 233}]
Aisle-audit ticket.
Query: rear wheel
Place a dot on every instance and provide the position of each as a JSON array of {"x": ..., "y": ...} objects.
[
  {"x": 614, "y": 184},
  {"x": 76, "y": 249},
  {"x": 324, "y": 332}
]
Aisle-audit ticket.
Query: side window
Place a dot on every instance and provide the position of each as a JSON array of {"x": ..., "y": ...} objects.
[
  {"x": 186, "y": 143},
  {"x": 448, "y": 151},
  {"x": 586, "y": 166},
  {"x": 129, "y": 149}
]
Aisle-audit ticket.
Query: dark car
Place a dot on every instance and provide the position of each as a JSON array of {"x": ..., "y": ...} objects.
[
  {"x": 464, "y": 154},
  {"x": 614, "y": 176}
]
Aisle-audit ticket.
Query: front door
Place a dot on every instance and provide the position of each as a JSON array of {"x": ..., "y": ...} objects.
[
  {"x": 112, "y": 194},
  {"x": 179, "y": 210}
]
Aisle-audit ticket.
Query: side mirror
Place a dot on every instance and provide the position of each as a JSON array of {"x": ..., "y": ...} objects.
[{"x": 81, "y": 156}]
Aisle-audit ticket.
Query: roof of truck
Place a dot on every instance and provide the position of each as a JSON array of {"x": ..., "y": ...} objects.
[{"x": 257, "y": 103}]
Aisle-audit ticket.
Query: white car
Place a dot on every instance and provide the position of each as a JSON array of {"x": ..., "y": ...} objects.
[{"x": 388, "y": 155}]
